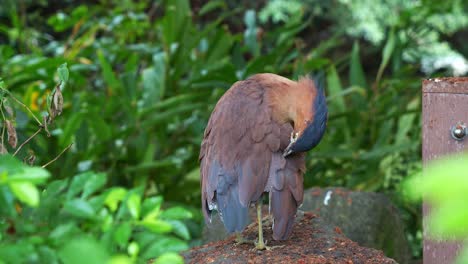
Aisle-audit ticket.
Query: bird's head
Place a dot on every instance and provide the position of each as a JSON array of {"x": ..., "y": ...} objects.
[{"x": 309, "y": 122}]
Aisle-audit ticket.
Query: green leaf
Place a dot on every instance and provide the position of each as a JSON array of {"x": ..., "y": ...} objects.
[
  {"x": 94, "y": 182},
  {"x": 63, "y": 73},
  {"x": 180, "y": 229},
  {"x": 134, "y": 205},
  {"x": 356, "y": 73},
  {"x": 16, "y": 252},
  {"x": 47, "y": 254},
  {"x": 113, "y": 198},
  {"x": 7, "y": 202},
  {"x": 335, "y": 88},
  {"x": 97, "y": 202},
  {"x": 151, "y": 207},
  {"x": 109, "y": 76},
  {"x": 386, "y": 54},
  {"x": 443, "y": 180},
  {"x": 133, "y": 249},
  {"x": 25, "y": 192},
  {"x": 77, "y": 184},
  {"x": 122, "y": 234},
  {"x": 76, "y": 250},
  {"x": 157, "y": 226},
  {"x": 176, "y": 20},
  {"x": 73, "y": 123},
  {"x": 121, "y": 259},
  {"x": 169, "y": 258},
  {"x": 210, "y": 6},
  {"x": 99, "y": 126},
  {"x": 449, "y": 220},
  {"x": 33, "y": 175},
  {"x": 176, "y": 213},
  {"x": 10, "y": 165},
  {"x": 154, "y": 79},
  {"x": 80, "y": 208},
  {"x": 55, "y": 188},
  {"x": 337, "y": 102},
  {"x": 164, "y": 245},
  {"x": 63, "y": 231},
  {"x": 405, "y": 122}
]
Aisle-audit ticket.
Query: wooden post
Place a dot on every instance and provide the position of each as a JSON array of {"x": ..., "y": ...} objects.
[{"x": 445, "y": 104}]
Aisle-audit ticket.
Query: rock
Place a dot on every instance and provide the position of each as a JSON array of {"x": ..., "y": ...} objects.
[
  {"x": 370, "y": 219},
  {"x": 312, "y": 241}
]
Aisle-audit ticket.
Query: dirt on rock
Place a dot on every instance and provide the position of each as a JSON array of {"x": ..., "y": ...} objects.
[{"x": 312, "y": 241}]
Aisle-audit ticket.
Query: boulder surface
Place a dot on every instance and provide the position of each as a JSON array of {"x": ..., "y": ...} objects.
[
  {"x": 368, "y": 218},
  {"x": 312, "y": 241}
]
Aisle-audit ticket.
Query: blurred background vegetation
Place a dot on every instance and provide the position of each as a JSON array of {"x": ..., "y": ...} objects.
[{"x": 143, "y": 79}]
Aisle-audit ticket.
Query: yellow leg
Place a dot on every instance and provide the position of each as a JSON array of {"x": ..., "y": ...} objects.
[{"x": 260, "y": 245}]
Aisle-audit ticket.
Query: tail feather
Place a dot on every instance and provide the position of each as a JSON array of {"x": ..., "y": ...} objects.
[
  {"x": 283, "y": 207},
  {"x": 234, "y": 215}
]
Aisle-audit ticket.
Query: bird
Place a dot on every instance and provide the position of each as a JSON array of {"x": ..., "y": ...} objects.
[{"x": 255, "y": 143}]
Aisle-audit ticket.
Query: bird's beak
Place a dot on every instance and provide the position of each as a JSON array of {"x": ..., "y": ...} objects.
[{"x": 288, "y": 149}]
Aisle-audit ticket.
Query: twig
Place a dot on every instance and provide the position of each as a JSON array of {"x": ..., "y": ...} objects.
[
  {"x": 26, "y": 141},
  {"x": 23, "y": 105},
  {"x": 3, "y": 125},
  {"x": 65, "y": 149}
]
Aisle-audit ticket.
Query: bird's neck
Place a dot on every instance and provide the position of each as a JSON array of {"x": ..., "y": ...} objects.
[{"x": 291, "y": 105}]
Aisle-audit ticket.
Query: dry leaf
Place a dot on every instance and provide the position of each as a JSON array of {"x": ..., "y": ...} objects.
[
  {"x": 30, "y": 159},
  {"x": 8, "y": 108},
  {"x": 57, "y": 102},
  {"x": 46, "y": 120},
  {"x": 12, "y": 138}
]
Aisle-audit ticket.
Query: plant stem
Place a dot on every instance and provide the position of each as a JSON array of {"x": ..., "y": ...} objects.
[
  {"x": 26, "y": 141},
  {"x": 3, "y": 125},
  {"x": 23, "y": 105},
  {"x": 65, "y": 149}
]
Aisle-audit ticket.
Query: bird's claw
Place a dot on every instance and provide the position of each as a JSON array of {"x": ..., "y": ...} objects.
[
  {"x": 262, "y": 246},
  {"x": 241, "y": 240}
]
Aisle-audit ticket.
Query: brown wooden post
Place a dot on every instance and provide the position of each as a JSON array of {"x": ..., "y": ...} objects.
[{"x": 445, "y": 104}]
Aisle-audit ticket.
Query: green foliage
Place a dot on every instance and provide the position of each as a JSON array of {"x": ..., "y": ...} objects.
[
  {"x": 280, "y": 11},
  {"x": 21, "y": 181},
  {"x": 419, "y": 28},
  {"x": 79, "y": 217},
  {"x": 444, "y": 185},
  {"x": 142, "y": 78}
]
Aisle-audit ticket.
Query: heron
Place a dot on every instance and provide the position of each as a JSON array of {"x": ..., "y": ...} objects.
[{"x": 255, "y": 143}]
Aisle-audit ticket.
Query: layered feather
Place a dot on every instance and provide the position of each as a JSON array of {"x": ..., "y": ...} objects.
[{"x": 241, "y": 153}]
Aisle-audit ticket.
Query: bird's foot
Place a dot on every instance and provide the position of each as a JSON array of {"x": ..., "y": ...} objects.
[
  {"x": 242, "y": 240},
  {"x": 263, "y": 246}
]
